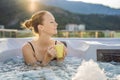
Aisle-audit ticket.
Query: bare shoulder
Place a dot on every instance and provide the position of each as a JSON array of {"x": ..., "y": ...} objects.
[
  {"x": 59, "y": 42},
  {"x": 62, "y": 42},
  {"x": 28, "y": 54},
  {"x": 26, "y": 48}
]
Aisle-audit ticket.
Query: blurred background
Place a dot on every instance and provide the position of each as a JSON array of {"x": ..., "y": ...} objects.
[{"x": 76, "y": 18}]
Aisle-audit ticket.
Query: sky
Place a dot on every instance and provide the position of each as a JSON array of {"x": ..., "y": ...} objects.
[{"x": 110, "y": 3}]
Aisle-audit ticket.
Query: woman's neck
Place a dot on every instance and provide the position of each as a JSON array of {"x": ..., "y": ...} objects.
[{"x": 44, "y": 40}]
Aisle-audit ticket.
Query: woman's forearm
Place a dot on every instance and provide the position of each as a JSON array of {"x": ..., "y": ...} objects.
[{"x": 47, "y": 59}]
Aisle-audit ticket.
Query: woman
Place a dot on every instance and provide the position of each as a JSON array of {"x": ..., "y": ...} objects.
[{"x": 42, "y": 50}]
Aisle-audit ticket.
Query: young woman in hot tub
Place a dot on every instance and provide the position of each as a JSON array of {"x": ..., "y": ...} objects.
[{"x": 42, "y": 50}]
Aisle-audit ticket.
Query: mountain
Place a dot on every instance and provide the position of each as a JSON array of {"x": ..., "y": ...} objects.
[
  {"x": 14, "y": 12},
  {"x": 82, "y": 7}
]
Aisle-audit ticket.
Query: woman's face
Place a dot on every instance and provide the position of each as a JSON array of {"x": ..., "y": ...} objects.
[{"x": 49, "y": 24}]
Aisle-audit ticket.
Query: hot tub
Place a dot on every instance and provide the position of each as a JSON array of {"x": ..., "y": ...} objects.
[
  {"x": 77, "y": 47},
  {"x": 80, "y": 51}
]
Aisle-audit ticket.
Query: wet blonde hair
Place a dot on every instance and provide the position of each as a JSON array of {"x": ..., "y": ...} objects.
[{"x": 34, "y": 21}]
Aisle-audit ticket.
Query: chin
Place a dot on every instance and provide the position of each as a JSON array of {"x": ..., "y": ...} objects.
[{"x": 55, "y": 32}]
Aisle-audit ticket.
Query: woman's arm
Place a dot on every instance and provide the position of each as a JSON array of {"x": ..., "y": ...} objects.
[
  {"x": 49, "y": 55},
  {"x": 28, "y": 55},
  {"x": 47, "y": 59}
]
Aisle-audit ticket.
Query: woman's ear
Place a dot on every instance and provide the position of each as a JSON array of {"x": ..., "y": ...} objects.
[{"x": 40, "y": 27}]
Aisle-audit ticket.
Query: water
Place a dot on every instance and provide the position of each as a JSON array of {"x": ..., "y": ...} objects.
[
  {"x": 89, "y": 70},
  {"x": 15, "y": 69}
]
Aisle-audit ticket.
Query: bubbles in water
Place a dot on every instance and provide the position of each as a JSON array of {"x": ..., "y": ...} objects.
[
  {"x": 89, "y": 70},
  {"x": 118, "y": 77}
]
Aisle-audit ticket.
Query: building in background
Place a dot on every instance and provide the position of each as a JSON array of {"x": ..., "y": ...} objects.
[{"x": 75, "y": 27}]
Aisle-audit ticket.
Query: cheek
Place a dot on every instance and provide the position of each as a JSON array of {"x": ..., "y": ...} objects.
[
  {"x": 51, "y": 30},
  {"x": 48, "y": 28}
]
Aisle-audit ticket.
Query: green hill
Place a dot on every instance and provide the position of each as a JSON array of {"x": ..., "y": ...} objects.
[{"x": 13, "y": 12}]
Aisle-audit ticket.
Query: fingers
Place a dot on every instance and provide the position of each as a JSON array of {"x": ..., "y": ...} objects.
[{"x": 51, "y": 50}]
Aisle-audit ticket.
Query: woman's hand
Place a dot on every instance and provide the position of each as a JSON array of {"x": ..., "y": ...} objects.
[
  {"x": 50, "y": 54},
  {"x": 51, "y": 51},
  {"x": 65, "y": 51}
]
